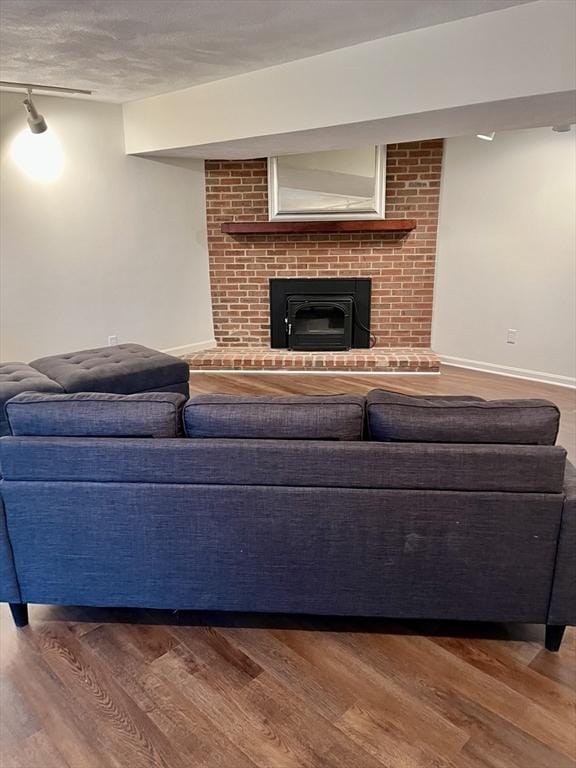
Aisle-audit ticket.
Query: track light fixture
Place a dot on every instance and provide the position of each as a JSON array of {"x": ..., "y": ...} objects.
[
  {"x": 35, "y": 119},
  {"x": 486, "y": 136}
]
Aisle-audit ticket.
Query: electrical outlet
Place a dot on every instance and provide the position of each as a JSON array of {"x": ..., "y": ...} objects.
[
  {"x": 511, "y": 336},
  {"x": 112, "y": 341}
]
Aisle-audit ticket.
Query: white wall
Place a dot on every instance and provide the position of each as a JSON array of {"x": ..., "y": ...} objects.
[
  {"x": 507, "y": 253},
  {"x": 486, "y": 59},
  {"x": 115, "y": 246}
]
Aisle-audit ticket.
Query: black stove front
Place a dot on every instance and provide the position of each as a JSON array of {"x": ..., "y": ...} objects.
[
  {"x": 328, "y": 314},
  {"x": 317, "y": 322}
]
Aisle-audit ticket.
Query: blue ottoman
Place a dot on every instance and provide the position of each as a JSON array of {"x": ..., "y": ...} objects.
[
  {"x": 19, "y": 377},
  {"x": 125, "y": 369}
]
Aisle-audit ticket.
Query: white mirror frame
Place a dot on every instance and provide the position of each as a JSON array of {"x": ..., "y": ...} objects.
[{"x": 378, "y": 212}]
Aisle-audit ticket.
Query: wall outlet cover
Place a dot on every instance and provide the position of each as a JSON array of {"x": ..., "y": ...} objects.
[{"x": 511, "y": 336}]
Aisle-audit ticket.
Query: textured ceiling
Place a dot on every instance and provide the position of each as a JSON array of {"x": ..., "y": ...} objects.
[{"x": 129, "y": 49}]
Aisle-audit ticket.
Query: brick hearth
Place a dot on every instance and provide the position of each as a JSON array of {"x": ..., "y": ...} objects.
[
  {"x": 401, "y": 267},
  {"x": 260, "y": 359}
]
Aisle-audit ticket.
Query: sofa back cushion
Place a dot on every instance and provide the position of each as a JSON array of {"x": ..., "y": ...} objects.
[
  {"x": 16, "y": 378},
  {"x": 96, "y": 414},
  {"x": 401, "y": 418},
  {"x": 339, "y": 417}
]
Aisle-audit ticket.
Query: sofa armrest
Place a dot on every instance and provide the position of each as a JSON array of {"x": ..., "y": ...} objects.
[
  {"x": 9, "y": 589},
  {"x": 563, "y": 598}
]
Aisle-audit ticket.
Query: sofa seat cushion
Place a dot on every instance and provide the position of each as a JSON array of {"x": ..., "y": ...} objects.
[
  {"x": 95, "y": 414},
  {"x": 402, "y": 418},
  {"x": 19, "y": 377},
  {"x": 124, "y": 369},
  {"x": 339, "y": 417}
]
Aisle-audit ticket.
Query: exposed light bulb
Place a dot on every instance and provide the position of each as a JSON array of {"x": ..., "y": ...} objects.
[
  {"x": 486, "y": 136},
  {"x": 39, "y": 156}
]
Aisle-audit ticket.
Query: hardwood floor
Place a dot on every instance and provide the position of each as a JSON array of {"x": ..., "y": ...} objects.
[{"x": 91, "y": 688}]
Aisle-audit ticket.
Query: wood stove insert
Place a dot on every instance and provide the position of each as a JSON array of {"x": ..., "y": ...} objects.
[{"x": 317, "y": 314}]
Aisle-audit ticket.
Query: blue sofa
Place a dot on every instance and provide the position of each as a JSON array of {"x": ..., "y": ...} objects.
[{"x": 441, "y": 508}]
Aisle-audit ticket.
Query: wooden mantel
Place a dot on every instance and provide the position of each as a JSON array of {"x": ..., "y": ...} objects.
[{"x": 303, "y": 227}]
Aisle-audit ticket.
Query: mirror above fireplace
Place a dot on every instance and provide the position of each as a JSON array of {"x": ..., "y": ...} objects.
[{"x": 328, "y": 186}]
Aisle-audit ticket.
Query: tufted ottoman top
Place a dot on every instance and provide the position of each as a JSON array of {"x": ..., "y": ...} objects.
[{"x": 125, "y": 369}]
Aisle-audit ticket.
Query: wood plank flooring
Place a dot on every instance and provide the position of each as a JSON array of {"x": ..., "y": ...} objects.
[{"x": 95, "y": 688}]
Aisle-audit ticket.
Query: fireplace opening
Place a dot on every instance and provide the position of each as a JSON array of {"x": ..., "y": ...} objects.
[{"x": 331, "y": 314}]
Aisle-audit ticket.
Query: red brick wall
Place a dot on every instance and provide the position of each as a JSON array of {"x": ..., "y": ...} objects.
[{"x": 401, "y": 267}]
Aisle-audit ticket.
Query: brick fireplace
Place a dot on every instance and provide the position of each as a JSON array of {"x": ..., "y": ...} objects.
[{"x": 400, "y": 265}]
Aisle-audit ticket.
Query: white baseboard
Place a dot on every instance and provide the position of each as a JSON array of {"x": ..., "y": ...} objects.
[
  {"x": 312, "y": 372},
  {"x": 187, "y": 349},
  {"x": 507, "y": 370}
]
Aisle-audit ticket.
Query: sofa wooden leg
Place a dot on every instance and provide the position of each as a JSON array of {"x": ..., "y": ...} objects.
[
  {"x": 554, "y": 635},
  {"x": 19, "y": 613}
]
